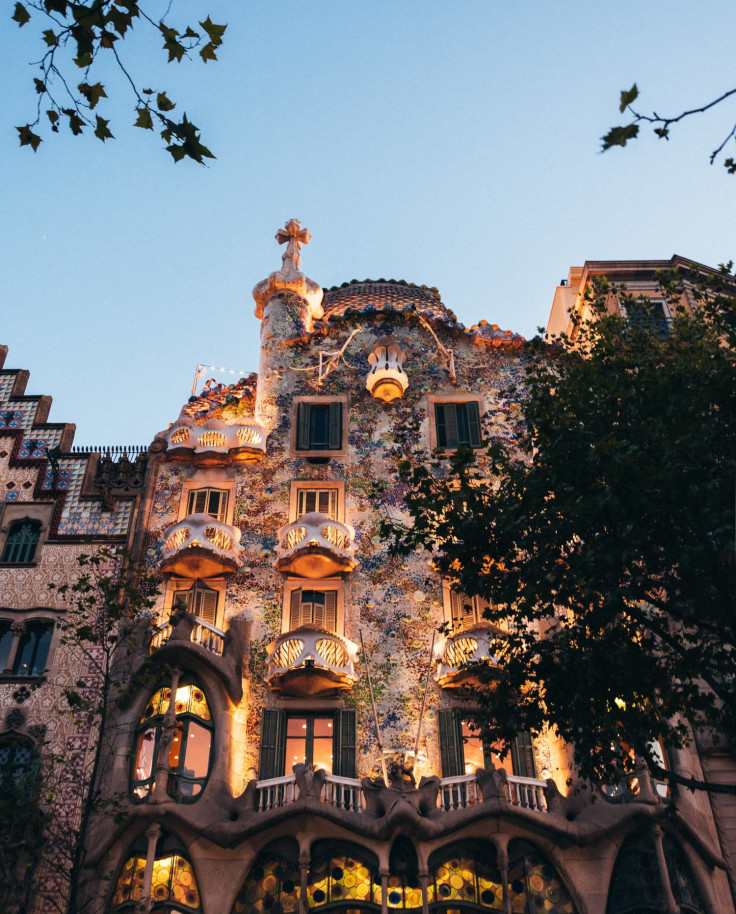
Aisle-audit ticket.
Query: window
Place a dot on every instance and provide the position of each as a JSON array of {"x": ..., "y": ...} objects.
[
  {"x": 33, "y": 648},
  {"x": 462, "y": 750},
  {"x": 651, "y": 314},
  {"x": 6, "y": 643},
  {"x": 457, "y": 424},
  {"x": 22, "y": 540},
  {"x": 467, "y": 612},
  {"x": 325, "y": 740},
  {"x": 313, "y": 607},
  {"x": 324, "y": 501},
  {"x": 174, "y": 887},
  {"x": 190, "y": 750},
  {"x": 319, "y": 426},
  {"x": 199, "y": 600},
  {"x": 18, "y": 766},
  {"x": 208, "y": 501}
]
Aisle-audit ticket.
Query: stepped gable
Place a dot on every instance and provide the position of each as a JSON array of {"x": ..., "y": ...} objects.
[
  {"x": 81, "y": 510},
  {"x": 370, "y": 296}
]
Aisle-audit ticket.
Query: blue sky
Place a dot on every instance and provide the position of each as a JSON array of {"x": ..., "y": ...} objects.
[{"x": 450, "y": 143}]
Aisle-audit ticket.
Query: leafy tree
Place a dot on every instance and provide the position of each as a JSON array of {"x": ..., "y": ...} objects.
[
  {"x": 606, "y": 540},
  {"x": 108, "y": 607},
  {"x": 621, "y": 135},
  {"x": 82, "y": 35}
]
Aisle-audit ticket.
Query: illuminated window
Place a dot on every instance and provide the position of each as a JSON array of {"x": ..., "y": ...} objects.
[
  {"x": 457, "y": 424},
  {"x": 534, "y": 882},
  {"x": 174, "y": 887},
  {"x": 22, "y": 540},
  {"x": 326, "y": 741},
  {"x": 273, "y": 883},
  {"x": 323, "y": 501},
  {"x": 313, "y": 607},
  {"x": 343, "y": 874},
  {"x": 200, "y": 600},
  {"x": 33, "y": 648},
  {"x": 190, "y": 750},
  {"x": 208, "y": 501},
  {"x": 462, "y": 749},
  {"x": 467, "y": 612},
  {"x": 465, "y": 873}
]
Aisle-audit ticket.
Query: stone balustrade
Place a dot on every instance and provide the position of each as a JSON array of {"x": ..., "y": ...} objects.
[
  {"x": 200, "y": 546},
  {"x": 315, "y": 546},
  {"x": 456, "y": 654},
  {"x": 309, "y": 661},
  {"x": 205, "y": 634},
  {"x": 214, "y": 442}
]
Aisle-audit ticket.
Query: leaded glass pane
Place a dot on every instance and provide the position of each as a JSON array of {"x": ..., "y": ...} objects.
[
  {"x": 130, "y": 881},
  {"x": 342, "y": 879},
  {"x": 534, "y": 885},
  {"x": 272, "y": 885}
]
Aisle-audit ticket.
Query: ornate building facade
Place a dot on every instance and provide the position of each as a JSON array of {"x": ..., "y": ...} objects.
[{"x": 296, "y": 736}]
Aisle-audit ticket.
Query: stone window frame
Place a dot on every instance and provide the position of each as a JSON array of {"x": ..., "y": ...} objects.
[
  {"x": 299, "y": 484},
  {"x": 455, "y": 397},
  {"x": 325, "y": 453},
  {"x": 18, "y": 621},
  {"x": 18, "y": 511},
  {"x": 293, "y": 584}
]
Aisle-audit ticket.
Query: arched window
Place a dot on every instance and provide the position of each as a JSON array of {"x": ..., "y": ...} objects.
[
  {"x": 465, "y": 875},
  {"x": 636, "y": 885},
  {"x": 174, "y": 887},
  {"x": 18, "y": 766},
  {"x": 22, "y": 540},
  {"x": 343, "y": 874},
  {"x": 533, "y": 882},
  {"x": 273, "y": 881},
  {"x": 33, "y": 648},
  {"x": 190, "y": 750}
]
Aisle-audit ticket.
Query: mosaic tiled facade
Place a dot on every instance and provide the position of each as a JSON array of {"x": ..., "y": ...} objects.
[{"x": 296, "y": 738}]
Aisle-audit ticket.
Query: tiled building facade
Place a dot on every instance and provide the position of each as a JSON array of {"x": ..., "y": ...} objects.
[{"x": 318, "y": 752}]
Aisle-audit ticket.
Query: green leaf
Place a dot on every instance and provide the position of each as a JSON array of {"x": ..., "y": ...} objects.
[
  {"x": 627, "y": 97},
  {"x": 164, "y": 103},
  {"x": 56, "y": 6},
  {"x": 40, "y": 85},
  {"x": 214, "y": 31},
  {"x": 662, "y": 132},
  {"x": 101, "y": 130},
  {"x": 53, "y": 117},
  {"x": 28, "y": 137},
  {"x": 119, "y": 19},
  {"x": 92, "y": 93},
  {"x": 76, "y": 124},
  {"x": 20, "y": 15},
  {"x": 619, "y": 136},
  {"x": 208, "y": 52},
  {"x": 144, "y": 118},
  {"x": 50, "y": 37},
  {"x": 190, "y": 33}
]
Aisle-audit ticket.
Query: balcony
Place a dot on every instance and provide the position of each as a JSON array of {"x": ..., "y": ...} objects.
[
  {"x": 342, "y": 793},
  {"x": 200, "y": 546},
  {"x": 309, "y": 662},
  {"x": 204, "y": 634},
  {"x": 314, "y": 546},
  {"x": 214, "y": 442},
  {"x": 463, "y": 791},
  {"x": 456, "y": 654}
]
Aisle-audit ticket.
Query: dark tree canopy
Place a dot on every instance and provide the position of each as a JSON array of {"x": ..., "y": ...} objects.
[
  {"x": 607, "y": 541},
  {"x": 74, "y": 39}
]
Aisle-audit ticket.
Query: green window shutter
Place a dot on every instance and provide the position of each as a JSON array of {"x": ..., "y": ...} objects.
[
  {"x": 522, "y": 756},
  {"x": 473, "y": 414},
  {"x": 303, "y": 426},
  {"x": 272, "y": 762},
  {"x": 441, "y": 424},
  {"x": 295, "y": 609},
  {"x": 335, "y": 426},
  {"x": 450, "y": 744},
  {"x": 451, "y": 422},
  {"x": 346, "y": 739}
]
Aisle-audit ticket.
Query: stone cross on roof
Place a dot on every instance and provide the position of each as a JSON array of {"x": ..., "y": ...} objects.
[{"x": 293, "y": 236}]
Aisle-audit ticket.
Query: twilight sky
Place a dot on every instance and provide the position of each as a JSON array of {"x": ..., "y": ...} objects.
[{"x": 446, "y": 142}]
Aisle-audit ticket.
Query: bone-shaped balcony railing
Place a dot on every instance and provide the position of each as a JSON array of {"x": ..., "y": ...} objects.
[
  {"x": 328, "y": 658},
  {"x": 201, "y": 545},
  {"x": 215, "y": 436},
  {"x": 315, "y": 546},
  {"x": 455, "y": 653}
]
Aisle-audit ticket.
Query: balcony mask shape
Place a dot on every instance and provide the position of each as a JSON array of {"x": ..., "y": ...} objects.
[{"x": 387, "y": 379}]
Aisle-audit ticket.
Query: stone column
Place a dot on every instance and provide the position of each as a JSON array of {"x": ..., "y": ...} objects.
[
  {"x": 168, "y": 727},
  {"x": 424, "y": 884},
  {"x": 304, "y": 860},
  {"x": 153, "y": 833},
  {"x": 384, "y": 891},
  {"x": 672, "y": 907},
  {"x": 502, "y": 861}
]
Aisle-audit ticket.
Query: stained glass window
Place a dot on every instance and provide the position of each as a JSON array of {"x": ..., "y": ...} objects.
[
  {"x": 636, "y": 886},
  {"x": 272, "y": 886},
  {"x": 465, "y": 875},
  {"x": 534, "y": 885},
  {"x": 344, "y": 878},
  {"x": 173, "y": 884},
  {"x": 190, "y": 749},
  {"x": 22, "y": 540}
]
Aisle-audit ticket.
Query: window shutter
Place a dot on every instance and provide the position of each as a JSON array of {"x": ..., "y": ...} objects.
[
  {"x": 207, "y": 608},
  {"x": 451, "y": 422},
  {"x": 303, "y": 426},
  {"x": 522, "y": 756},
  {"x": 318, "y": 609},
  {"x": 449, "y": 744},
  {"x": 185, "y": 597},
  {"x": 272, "y": 763},
  {"x": 330, "y": 623},
  {"x": 335, "y": 426},
  {"x": 197, "y": 501},
  {"x": 441, "y": 423},
  {"x": 473, "y": 414},
  {"x": 295, "y": 609},
  {"x": 456, "y": 610},
  {"x": 481, "y": 606},
  {"x": 346, "y": 737}
]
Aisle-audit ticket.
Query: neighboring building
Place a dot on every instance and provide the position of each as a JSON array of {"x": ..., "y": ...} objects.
[
  {"x": 285, "y": 631},
  {"x": 54, "y": 505}
]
